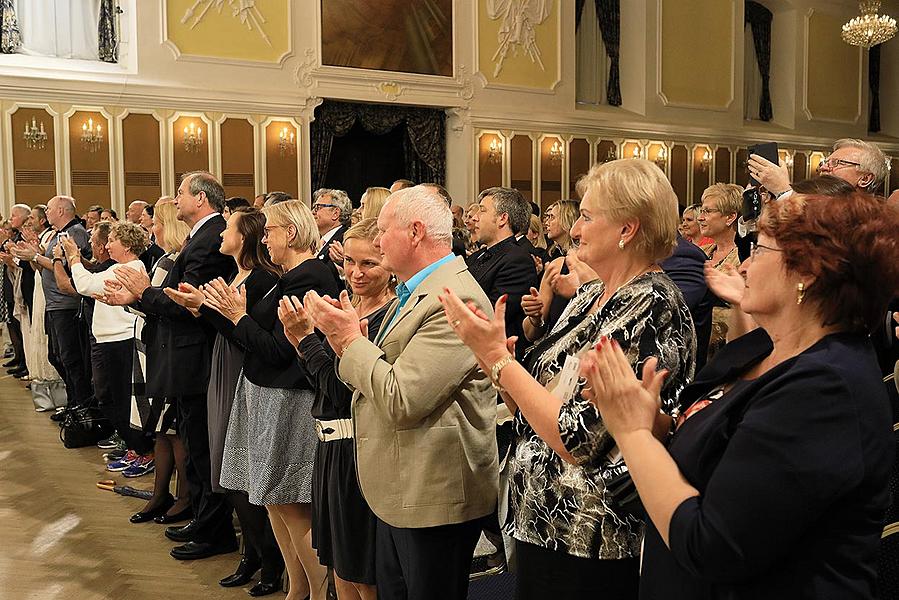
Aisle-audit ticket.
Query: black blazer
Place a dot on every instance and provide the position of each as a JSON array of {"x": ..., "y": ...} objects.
[
  {"x": 505, "y": 268},
  {"x": 685, "y": 268},
  {"x": 533, "y": 250},
  {"x": 269, "y": 359},
  {"x": 257, "y": 284},
  {"x": 325, "y": 256},
  {"x": 149, "y": 256},
  {"x": 179, "y": 351},
  {"x": 792, "y": 468}
]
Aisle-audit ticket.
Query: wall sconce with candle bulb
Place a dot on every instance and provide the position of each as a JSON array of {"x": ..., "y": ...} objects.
[
  {"x": 661, "y": 159},
  {"x": 193, "y": 138},
  {"x": 287, "y": 145},
  {"x": 556, "y": 153},
  {"x": 495, "y": 151},
  {"x": 91, "y": 136},
  {"x": 706, "y": 162},
  {"x": 35, "y": 137}
]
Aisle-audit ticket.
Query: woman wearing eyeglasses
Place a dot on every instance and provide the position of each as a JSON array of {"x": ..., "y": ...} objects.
[
  {"x": 775, "y": 481},
  {"x": 721, "y": 207}
]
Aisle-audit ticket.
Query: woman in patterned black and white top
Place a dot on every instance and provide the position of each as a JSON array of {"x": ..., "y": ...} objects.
[{"x": 574, "y": 539}]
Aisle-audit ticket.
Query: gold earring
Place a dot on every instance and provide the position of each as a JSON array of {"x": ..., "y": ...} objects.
[
  {"x": 800, "y": 295},
  {"x": 621, "y": 244}
]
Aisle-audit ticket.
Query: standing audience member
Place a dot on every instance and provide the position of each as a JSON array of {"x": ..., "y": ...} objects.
[
  {"x": 785, "y": 435},
  {"x": 689, "y": 226},
  {"x": 373, "y": 201},
  {"x": 722, "y": 204},
  {"x": 424, "y": 416},
  {"x": 332, "y": 210},
  {"x": 270, "y": 445},
  {"x": 575, "y": 538},
  {"x": 401, "y": 184},
  {"x": 18, "y": 217},
  {"x": 560, "y": 218},
  {"x": 256, "y": 276},
  {"x": 92, "y": 216},
  {"x": 343, "y": 526},
  {"x": 135, "y": 209},
  {"x": 108, "y": 214},
  {"x": 180, "y": 372},
  {"x": 232, "y": 204}
]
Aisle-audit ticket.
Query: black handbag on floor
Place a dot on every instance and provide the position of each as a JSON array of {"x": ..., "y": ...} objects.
[{"x": 84, "y": 426}]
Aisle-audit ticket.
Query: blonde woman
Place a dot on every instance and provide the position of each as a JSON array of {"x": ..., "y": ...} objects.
[
  {"x": 270, "y": 445},
  {"x": 560, "y": 218},
  {"x": 373, "y": 201}
]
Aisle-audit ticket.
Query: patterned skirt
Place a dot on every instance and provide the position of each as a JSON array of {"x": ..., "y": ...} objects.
[{"x": 270, "y": 445}]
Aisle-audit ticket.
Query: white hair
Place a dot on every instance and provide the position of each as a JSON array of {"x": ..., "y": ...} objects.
[
  {"x": 20, "y": 208},
  {"x": 425, "y": 205},
  {"x": 871, "y": 157},
  {"x": 67, "y": 203}
]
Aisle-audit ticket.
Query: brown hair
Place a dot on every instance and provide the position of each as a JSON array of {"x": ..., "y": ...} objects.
[
  {"x": 848, "y": 244},
  {"x": 253, "y": 253},
  {"x": 825, "y": 185}
]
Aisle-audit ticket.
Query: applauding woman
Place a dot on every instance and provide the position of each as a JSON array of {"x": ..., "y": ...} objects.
[
  {"x": 343, "y": 526},
  {"x": 270, "y": 445},
  {"x": 775, "y": 482}
]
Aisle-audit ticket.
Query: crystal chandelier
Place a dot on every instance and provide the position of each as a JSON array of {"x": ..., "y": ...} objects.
[
  {"x": 287, "y": 145},
  {"x": 35, "y": 138},
  {"x": 193, "y": 138},
  {"x": 869, "y": 29},
  {"x": 91, "y": 137}
]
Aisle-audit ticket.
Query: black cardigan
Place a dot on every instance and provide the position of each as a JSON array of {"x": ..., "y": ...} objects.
[
  {"x": 257, "y": 284},
  {"x": 792, "y": 468},
  {"x": 269, "y": 359}
]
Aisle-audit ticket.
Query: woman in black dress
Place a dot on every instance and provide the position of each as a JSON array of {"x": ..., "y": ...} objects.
[
  {"x": 775, "y": 481},
  {"x": 343, "y": 526},
  {"x": 256, "y": 275}
]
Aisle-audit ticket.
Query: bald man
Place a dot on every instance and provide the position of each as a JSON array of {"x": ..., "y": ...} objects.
[{"x": 134, "y": 211}]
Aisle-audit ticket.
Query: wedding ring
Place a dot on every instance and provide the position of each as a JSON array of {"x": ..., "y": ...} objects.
[{"x": 456, "y": 323}]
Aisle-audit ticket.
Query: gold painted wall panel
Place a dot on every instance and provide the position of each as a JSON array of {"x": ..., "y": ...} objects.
[
  {"x": 32, "y": 166},
  {"x": 832, "y": 83},
  {"x": 550, "y": 171},
  {"x": 88, "y": 188},
  {"x": 490, "y": 170},
  {"x": 521, "y": 65},
  {"x": 259, "y": 33},
  {"x": 697, "y": 52},
  {"x": 237, "y": 158},
  {"x": 140, "y": 149},
  {"x": 521, "y": 149},
  {"x": 281, "y": 171},
  {"x": 578, "y": 164}
]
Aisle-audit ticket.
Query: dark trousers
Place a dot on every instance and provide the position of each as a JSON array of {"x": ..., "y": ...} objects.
[
  {"x": 260, "y": 547},
  {"x": 15, "y": 338},
  {"x": 211, "y": 510},
  {"x": 67, "y": 355},
  {"x": 111, "y": 362},
  {"x": 430, "y": 563},
  {"x": 541, "y": 573}
]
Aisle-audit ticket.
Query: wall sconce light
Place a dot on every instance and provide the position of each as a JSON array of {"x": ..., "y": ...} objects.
[
  {"x": 638, "y": 152},
  {"x": 495, "y": 152},
  {"x": 193, "y": 138},
  {"x": 91, "y": 137},
  {"x": 706, "y": 162},
  {"x": 611, "y": 155},
  {"x": 662, "y": 158},
  {"x": 556, "y": 153},
  {"x": 287, "y": 145},
  {"x": 35, "y": 138},
  {"x": 788, "y": 160}
]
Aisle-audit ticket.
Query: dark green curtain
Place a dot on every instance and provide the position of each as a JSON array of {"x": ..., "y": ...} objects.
[
  {"x": 759, "y": 19},
  {"x": 424, "y": 145},
  {"x": 10, "y": 37},
  {"x": 108, "y": 39},
  {"x": 874, "y": 86},
  {"x": 608, "y": 13}
]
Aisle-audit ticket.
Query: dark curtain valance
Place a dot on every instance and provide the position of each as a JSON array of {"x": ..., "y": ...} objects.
[
  {"x": 10, "y": 37},
  {"x": 608, "y": 14},
  {"x": 424, "y": 145},
  {"x": 108, "y": 47},
  {"x": 759, "y": 19},
  {"x": 874, "y": 86}
]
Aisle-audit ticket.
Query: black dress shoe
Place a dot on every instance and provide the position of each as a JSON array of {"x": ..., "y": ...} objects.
[
  {"x": 182, "y": 534},
  {"x": 198, "y": 550},
  {"x": 14, "y": 362},
  {"x": 19, "y": 373},
  {"x": 241, "y": 576},
  {"x": 264, "y": 588},
  {"x": 150, "y": 515},
  {"x": 58, "y": 417},
  {"x": 183, "y": 515}
]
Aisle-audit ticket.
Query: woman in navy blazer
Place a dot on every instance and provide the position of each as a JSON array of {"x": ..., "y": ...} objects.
[{"x": 774, "y": 482}]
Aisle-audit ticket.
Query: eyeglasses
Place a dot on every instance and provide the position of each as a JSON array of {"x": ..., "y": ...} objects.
[
  {"x": 705, "y": 211},
  {"x": 267, "y": 230},
  {"x": 317, "y": 207},
  {"x": 754, "y": 249},
  {"x": 836, "y": 163}
]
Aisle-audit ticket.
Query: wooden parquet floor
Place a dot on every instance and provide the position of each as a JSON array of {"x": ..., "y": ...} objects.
[{"x": 62, "y": 538}]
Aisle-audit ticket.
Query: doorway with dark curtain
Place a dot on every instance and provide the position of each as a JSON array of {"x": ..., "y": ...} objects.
[{"x": 355, "y": 146}]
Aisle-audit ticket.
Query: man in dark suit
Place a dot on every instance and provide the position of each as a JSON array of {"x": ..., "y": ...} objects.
[
  {"x": 332, "y": 210},
  {"x": 685, "y": 268},
  {"x": 181, "y": 370},
  {"x": 503, "y": 267}
]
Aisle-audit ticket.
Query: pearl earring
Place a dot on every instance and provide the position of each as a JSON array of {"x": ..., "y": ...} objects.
[
  {"x": 621, "y": 244},
  {"x": 800, "y": 295}
]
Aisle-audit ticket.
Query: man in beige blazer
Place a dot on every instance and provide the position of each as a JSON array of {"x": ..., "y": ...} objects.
[{"x": 423, "y": 413}]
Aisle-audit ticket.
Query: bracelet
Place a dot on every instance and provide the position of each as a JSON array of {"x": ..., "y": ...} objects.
[
  {"x": 539, "y": 324},
  {"x": 496, "y": 370},
  {"x": 56, "y": 259}
]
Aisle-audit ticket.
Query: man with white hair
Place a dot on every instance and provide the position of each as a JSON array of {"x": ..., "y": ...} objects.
[
  {"x": 332, "y": 210},
  {"x": 423, "y": 412},
  {"x": 134, "y": 211},
  {"x": 858, "y": 162},
  {"x": 63, "y": 331}
]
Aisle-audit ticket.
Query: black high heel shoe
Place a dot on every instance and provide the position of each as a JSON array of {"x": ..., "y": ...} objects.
[
  {"x": 242, "y": 576},
  {"x": 185, "y": 515},
  {"x": 150, "y": 515}
]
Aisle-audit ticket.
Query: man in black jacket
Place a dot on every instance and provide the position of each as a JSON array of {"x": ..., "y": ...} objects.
[
  {"x": 332, "y": 210},
  {"x": 503, "y": 267},
  {"x": 180, "y": 369}
]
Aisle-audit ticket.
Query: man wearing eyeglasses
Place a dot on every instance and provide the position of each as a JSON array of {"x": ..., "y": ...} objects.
[
  {"x": 332, "y": 210},
  {"x": 859, "y": 162}
]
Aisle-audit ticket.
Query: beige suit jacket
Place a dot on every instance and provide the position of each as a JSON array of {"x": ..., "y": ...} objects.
[{"x": 424, "y": 415}]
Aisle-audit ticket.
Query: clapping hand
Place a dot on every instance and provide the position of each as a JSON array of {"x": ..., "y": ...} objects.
[
  {"x": 115, "y": 294},
  {"x": 533, "y": 305},
  {"x": 225, "y": 299},
  {"x": 186, "y": 295},
  {"x": 296, "y": 321},
  {"x": 485, "y": 336},
  {"x": 70, "y": 248},
  {"x": 727, "y": 283},
  {"x": 136, "y": 282},
  {"x": 337, "y": 319},
  {"x": 335, "y": 251}
]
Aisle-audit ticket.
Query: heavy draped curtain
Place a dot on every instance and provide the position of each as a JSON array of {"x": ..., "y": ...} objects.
[
  {"x": 424, "y": 144},
  {"x": 608, "y": 13},
  {"x": 108, "y": 44},
  {"x": 10, "y": 36},
  {"x": 759, "y": 19},
  {"x": 874, "y": 86}
]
